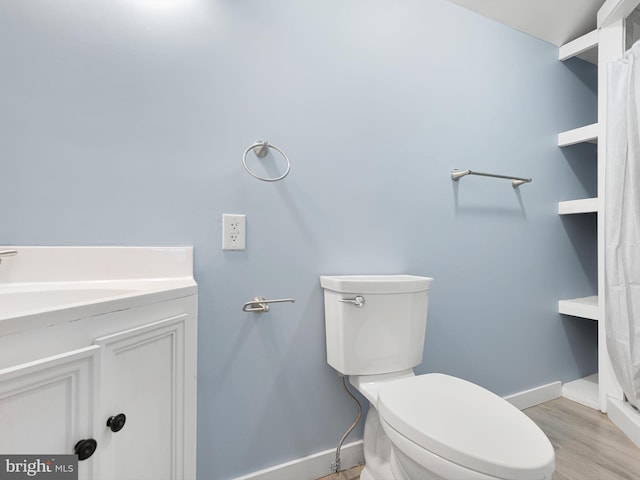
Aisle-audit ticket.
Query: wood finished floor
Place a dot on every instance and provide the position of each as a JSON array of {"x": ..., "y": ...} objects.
[
  {"x": 588, "y": 446},
  {"x": 351, "y": 474}
]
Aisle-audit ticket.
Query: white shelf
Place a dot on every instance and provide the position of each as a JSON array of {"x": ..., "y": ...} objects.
[
  {"x": 583, "y": 391},
  {"x": 584, "y": 47},
  {"x": 579, "y": 135},
  {"x": 585, "y": 205},
  {"x": 586, "y": 307}
]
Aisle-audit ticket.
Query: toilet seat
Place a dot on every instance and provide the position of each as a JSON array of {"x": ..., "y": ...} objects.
[{"x": 467, "y": 425}]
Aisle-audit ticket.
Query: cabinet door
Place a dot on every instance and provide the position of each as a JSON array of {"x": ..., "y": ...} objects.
[
  {"x": 47, "y": 406},
  {"x": 143, "y": 378}
]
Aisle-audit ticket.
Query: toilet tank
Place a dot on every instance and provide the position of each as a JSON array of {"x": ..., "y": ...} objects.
[{"x": 375, "y": 323}]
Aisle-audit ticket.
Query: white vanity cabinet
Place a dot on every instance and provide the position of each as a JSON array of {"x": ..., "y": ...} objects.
[
  {"x": 145, "y": 371},
  {"x": 80, "y": 379},
  {"x": 48, "y": 405}
]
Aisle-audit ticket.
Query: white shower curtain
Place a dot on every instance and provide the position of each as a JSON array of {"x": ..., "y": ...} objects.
[{"x": 622, "y": 222}]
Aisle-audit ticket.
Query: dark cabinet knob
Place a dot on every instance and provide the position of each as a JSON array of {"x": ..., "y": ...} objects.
[
  {"x": 116, "y": 422},
  {"x": 85, "y": 448}
]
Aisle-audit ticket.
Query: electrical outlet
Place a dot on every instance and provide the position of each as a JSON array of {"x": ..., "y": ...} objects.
[{"x": 234, "y": 231}]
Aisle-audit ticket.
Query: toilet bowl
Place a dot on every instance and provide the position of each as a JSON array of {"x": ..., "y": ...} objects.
[
  {"x": 443, "y": 427},
  {"x": 424, "y": 427}
]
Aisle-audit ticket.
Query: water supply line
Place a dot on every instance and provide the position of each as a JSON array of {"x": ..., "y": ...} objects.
[{"x": 337, "y": 465}]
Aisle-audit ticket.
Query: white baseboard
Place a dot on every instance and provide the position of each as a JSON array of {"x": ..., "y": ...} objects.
[
  {"x": 311, "y": 467},
  {"x": 584, "y": 391},
  {"x": 535, "y": 396}
]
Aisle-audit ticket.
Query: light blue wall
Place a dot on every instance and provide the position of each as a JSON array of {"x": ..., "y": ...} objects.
[{"x": 123, "y": 122}]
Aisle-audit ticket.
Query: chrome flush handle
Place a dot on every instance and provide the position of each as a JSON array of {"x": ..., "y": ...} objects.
[
  {"x": 357, "y": 301},
  {"x": 7, "y": 253}
]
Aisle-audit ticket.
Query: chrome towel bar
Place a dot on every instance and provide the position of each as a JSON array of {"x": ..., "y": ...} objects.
[
  {"x": 260, "y": 305},
  {"x": 515, "y": 181}
]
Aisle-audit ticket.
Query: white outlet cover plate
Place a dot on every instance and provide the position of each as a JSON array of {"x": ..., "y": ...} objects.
[{"x": 234, "y": 231}]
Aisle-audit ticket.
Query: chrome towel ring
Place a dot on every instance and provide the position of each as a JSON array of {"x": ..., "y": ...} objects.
[{"x": 261, "y": 148}]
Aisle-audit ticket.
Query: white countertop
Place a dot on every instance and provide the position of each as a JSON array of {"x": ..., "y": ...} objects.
[{"x": 54, "y": 284}]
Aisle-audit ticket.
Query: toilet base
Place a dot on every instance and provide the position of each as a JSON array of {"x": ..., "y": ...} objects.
[
  {"x": 381, "y": 460},
  {"x": 365, "y": 475},
  {"x": 377, "y": 449}
]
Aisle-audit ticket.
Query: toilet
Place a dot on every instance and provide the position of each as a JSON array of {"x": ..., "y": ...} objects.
[{"x": 421, "y": 427}]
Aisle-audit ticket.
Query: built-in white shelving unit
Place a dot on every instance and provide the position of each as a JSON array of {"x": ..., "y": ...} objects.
[
  {"x": 617, "y": 30},
  {"x": 584, "y": 390}
]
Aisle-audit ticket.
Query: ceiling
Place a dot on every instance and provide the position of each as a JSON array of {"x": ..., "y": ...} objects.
[{"x": 555, "y": 21}]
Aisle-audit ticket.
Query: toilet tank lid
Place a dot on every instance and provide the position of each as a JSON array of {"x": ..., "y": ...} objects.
[{"x": 376, "y": 283}]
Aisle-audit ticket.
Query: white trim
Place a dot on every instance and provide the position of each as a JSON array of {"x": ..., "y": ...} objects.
[
  {"x": 535, "y": 396},
  {"x": 625, "y": 418},
  {"x": 615, "y": 10},
  {"x": 611, "y": 47},
  {"x": 311, "y": 467}
]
